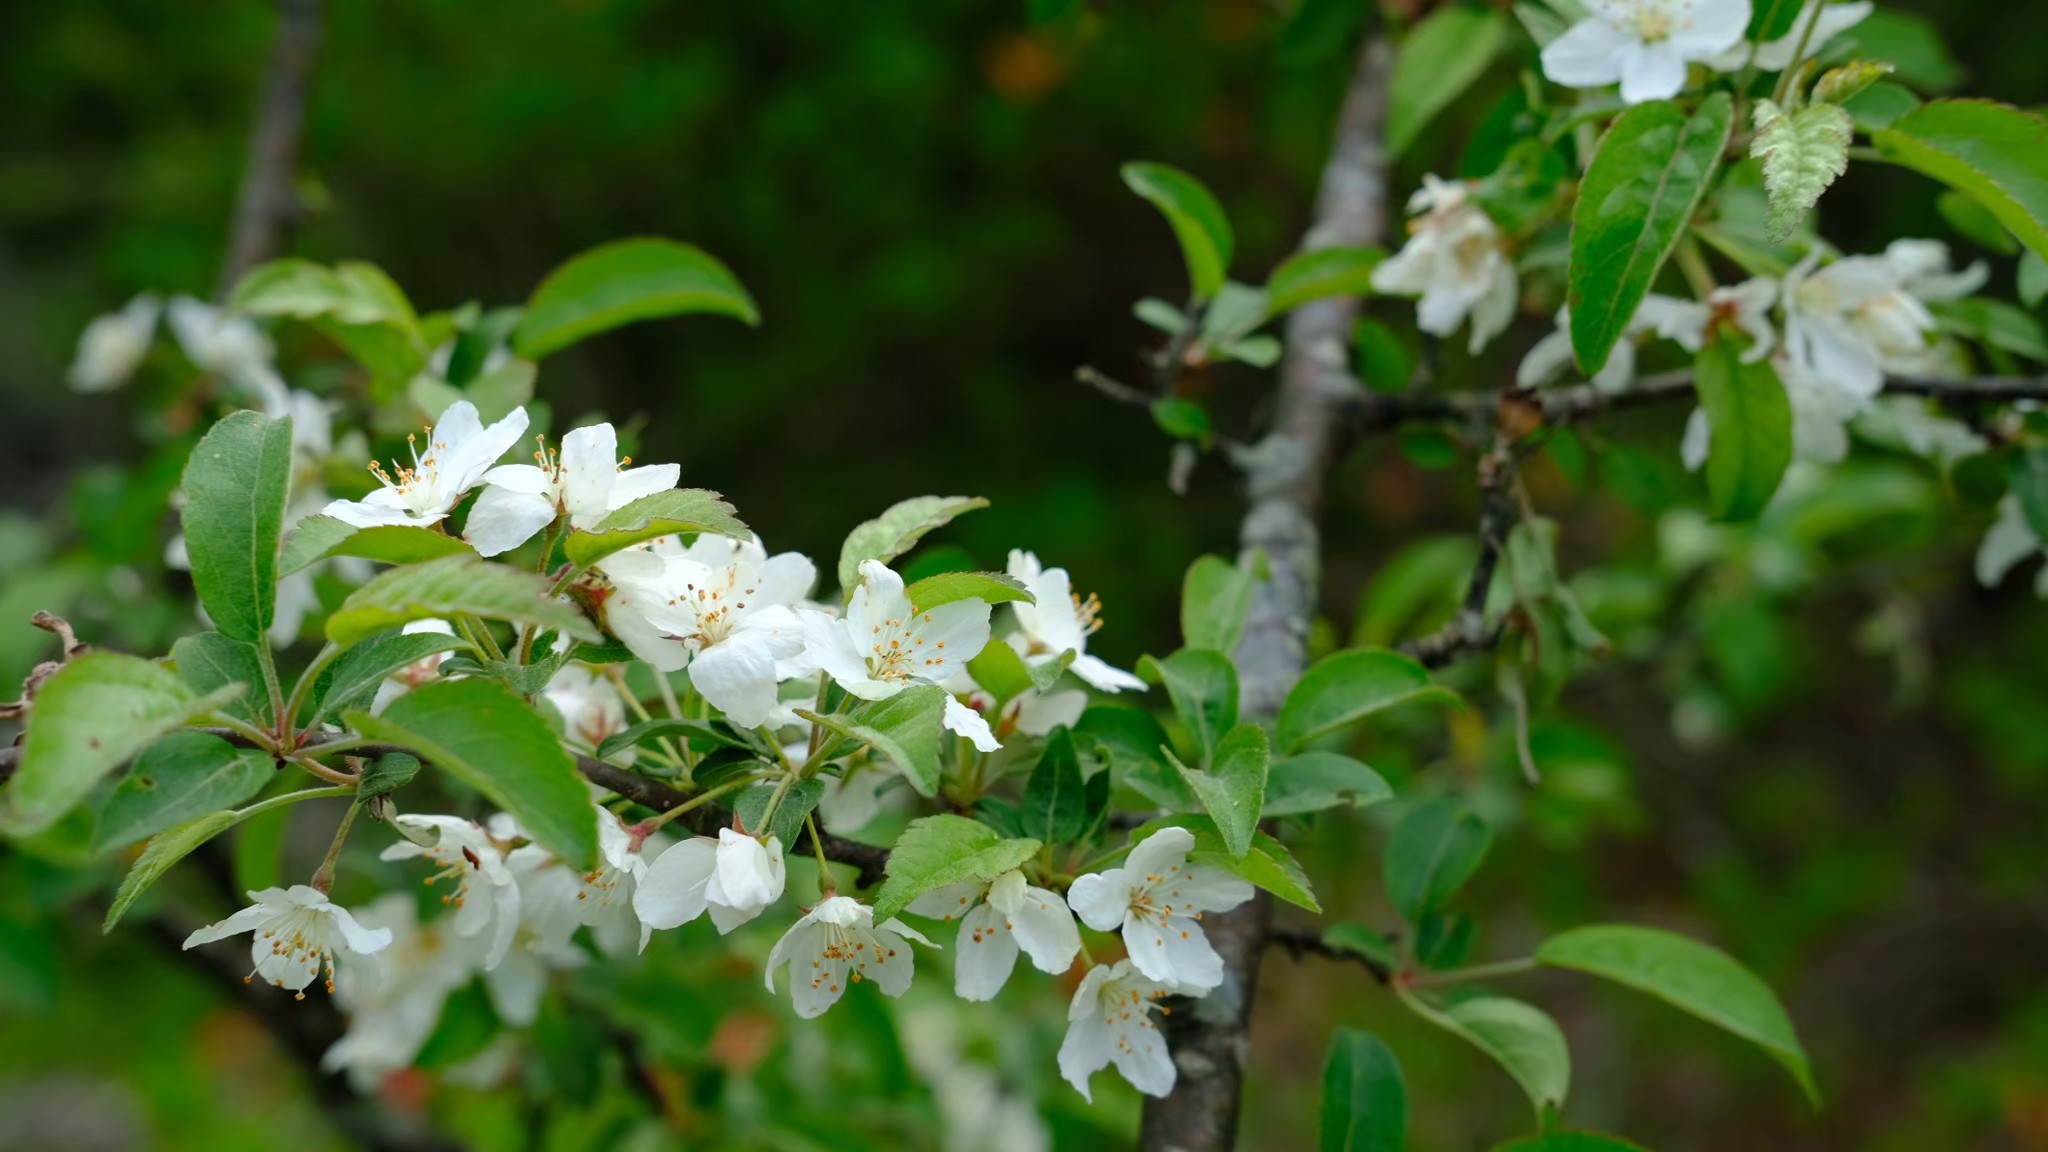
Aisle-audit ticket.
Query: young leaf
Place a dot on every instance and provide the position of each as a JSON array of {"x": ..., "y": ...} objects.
[
  {"x": 1055, "y": 805},
  {"x": 1702, "y": 980},
  {"x": 1183, "y": 419},
  {"x": 350, "y": 293},
  {"x": 786, "y": 823},
  {"x": 1203, "y": 685},
  {"x": 179, "y": 778},
  {"x": 1233, "y": 790},
  {"x": 1318, "y": 273},
  {"x": 387, "y": 774},
  {"x": 897, "y": 531},
  {"x": 1313, "y": 781},
  {"x": 1642, "y": 187},
  {"x": 1439, "y": 60},
  {"x": 210, "y": 662},
  {"x": 318, "y": 537},
  {"x": 1365, "y": 1100},
  {"x": 452, "y": 586},
  {"x": 624, "y": 281},
  {"x": 1359, "y": 940},
  {"x": 939, "y": 850},
  {"x": 1006, "y": 675},
  {"x": 1435, "y": 848},
  {"x": 351, "y": 682},
  {"x": 1751, "y": 443},
  {"x": 905, "y": 728},
  {"x": 1345, "y": 687},
  {"x": 96, "y": 713},
  {"x": 1839, "y": 84},
  {"x": 703, "y": 735},
  {"x": 1136, "y": 748},
  {"x": 1802, "y": 153},
  {"x": 483, "y": 734},
  {"x": 236, "y": 483},
  {"x": 1523, "y": 1040},
  {"x": 1198, "y": 221},
  {"x": 946, "y": 587},
  {"x": 1995, "y": 153},
  {"x": 1215, "y": 597},
  {"x": 678, "y": 510}
]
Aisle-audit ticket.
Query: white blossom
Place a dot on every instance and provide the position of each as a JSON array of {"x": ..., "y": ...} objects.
[
  {"x": 836, "y": 944},
  {"x": 1110, "y": 1022},
  {"x": 1863, "y": 316},
  {"x": 726, "y": 608},
  {"x": 418, "y": 672},
  {"x": 1552, "y": 357},
  {"x": 393, "y": 999},
  {"x": 113, "y": 345},
  {"x": 735, "y": 878},
  {"x": 997, "y": 920},
  {"x": 486, "y": 897},
  {"x": 1060, "y": 621},
  {"x": 1643, "y": 45},
  {"x": 1157, "y": 898},
  {"x": 1455, "y": 262},
  {"x": 1744, "y": 307},
  {"x": 460, "y": 449},
  {"x": 882, "y": 646},
  {"x": 218, "y": 342},
  {"x": 584, "y": 481},
  {"x": 1776, "y": 55},
  {"x": 298, "y": 932},
  {"x": 590, "y": 704}
]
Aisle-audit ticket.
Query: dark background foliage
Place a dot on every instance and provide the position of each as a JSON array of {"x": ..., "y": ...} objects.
[{"x": 1842, "y": 781}]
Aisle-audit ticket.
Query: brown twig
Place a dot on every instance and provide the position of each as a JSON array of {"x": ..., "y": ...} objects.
[
  {"x": 268, "y": 206},
  {"x": 1301, "y": 942}
]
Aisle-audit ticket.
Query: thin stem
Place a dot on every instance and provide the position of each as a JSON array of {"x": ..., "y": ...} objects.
[
  {"x": 326, "y": 656},
  {"x": 818, "y": 730},
  {"x": 1475, "y": 973},
  {"x": 256, "y": 737},
  {"x": 264, "y": 657},
  {"x": 262, "y": 806},
  {"x": 323, "y": 877},
  {"x": 826, "y": 886},
  {"x": 675, "y": 712},
  {"x": 701, "y": 799},
  {"x": 331, "y": 775},
  {"x": 1792, "y": 69},
  {"x": 1693, "y": 264}
]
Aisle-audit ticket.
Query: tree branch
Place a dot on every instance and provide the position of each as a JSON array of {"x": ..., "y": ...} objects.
[
  {"x": 1301, "y": 942},
  {"x": 268, "y": 206},
  {"x": 1285, "y": 473}
]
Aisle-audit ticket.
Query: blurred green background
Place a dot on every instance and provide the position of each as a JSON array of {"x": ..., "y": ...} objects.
[{"x": 1818, "y": 745}]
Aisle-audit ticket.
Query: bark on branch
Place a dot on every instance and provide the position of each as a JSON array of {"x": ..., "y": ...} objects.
[
  {"x": 268, "y": 206},
  {"x": 1285, "y": 473}
]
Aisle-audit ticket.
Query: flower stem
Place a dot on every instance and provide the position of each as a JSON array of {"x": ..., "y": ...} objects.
[
  {"x": 323, "y": 878},
  {"x": 1475, "y": 973},
  {"x": 774, "y": 802},
  {"x": 699, "y": 800},
  {"x": 331, "y": 775},
  {"x": 254, "y": 735},
  {"x": 826, "y": 886},
  {"x": 265, "y": 657},
  {"x": 290, "y": 718},
  {"x": 1790, "y": 75}
]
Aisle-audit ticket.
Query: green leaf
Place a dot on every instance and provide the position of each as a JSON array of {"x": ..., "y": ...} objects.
[
  {"x": 624, "y": 281},
  {"x": 179, "y": 778},
  {"x": 1268, "y": 865},
  {"x": 1880, "y": 106},
  {"x": 1994, "y": 324},
  {"x": 1993, "y": 152},
  {"x": 1435, "y": 848},
  {"x": 387, "y": 774},
  {"x": 1319, "y": 273},
  {"x": 1642, "y": 187},
  {"x": 236, "y": 483},
  {"x": 2026, "y": 474},
  {"x": 1359, "y": 940},
  {"x": 93, "y": 716},
  {"x": 1365, "y": 1100},
  {"x": 703, "y": 736},
  {"x": 2033, "y": 279},
  {"x": 1844, "y": 83},
  {"x": 1751, "y": 444},
  {"x": 210, "y": 662},
  {"x": 1440, "y": 59},
  {"x": 939, "y": 850},
  {"x": 351, "y": 682},
  {"x": 1136, "y": 747},
  {"x": 1519, "y": 1037},
  {"x": 1383, "y": 359},
  {"x": 487, "y": 737},
  {"x": 1702, "y": 980},
  {"x": 897, "y": 531},
  {"x": 318, "y": 537},
  {"x": 1215, "y": 598},
  {"x": 1563, "y": 1141},
  {"x": 467, "y": 1024},
  {"x": 1202, "y": 683},
  {"x": 1802, "y": 153},
  {"x": 1006, "y": 675},
  {"x": 174, "y": 844},
  {"x": 946, "y": 587},
  {"x": 452, "y": 586},
  {"x": 906, "y": 728},
  {"x": 350, "y": 293},
  {"x": 1055, "y": 805},
  {"x": 1197, "y": 219},
  {"x": 1183, "y": 419},
  {"x": 678, "y": 510},
  {"x": 1233, "y": 790},
  {"x": 1313, "y": 781},
  {"x": 1345, "y": 687},
  {"x": 786, "y": 823}
]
